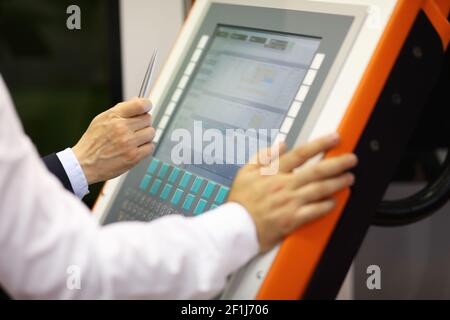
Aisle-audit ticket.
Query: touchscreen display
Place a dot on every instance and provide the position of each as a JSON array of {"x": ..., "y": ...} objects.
[{"x": 246, "y": 79}]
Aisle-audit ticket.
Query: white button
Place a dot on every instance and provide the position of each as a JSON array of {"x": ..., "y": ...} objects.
[
  {"x": 309, "y": 78},
  {"x": 170, "y": 108},
  {"x": 157, "y": 135},
  {"x": 183, "y": 82},
  {"x": 203, "y": 41},
  {"x": 302, "y": 92},
  {"x": 189, "y": 69},
  {"x": 176, "y": 96},
  {"x": 196, "y": 55},
  {"x": 317, "y": 62},
  {"x": 281, "y": 137},
  {"x": 163, "y": 122},
  {"x": 287, "y": 124},
  {"x": 295, "y": 108}
]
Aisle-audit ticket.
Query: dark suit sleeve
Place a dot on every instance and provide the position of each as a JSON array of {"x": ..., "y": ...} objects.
[{"x": 54, "y": 166}]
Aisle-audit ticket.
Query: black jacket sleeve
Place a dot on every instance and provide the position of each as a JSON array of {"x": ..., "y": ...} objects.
[{"x": 54, "y": 166}]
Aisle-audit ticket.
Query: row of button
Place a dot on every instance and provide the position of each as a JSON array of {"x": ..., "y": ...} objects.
[
  {"x": 172, "y": 174},
  {"x": 180, "y": 88}
]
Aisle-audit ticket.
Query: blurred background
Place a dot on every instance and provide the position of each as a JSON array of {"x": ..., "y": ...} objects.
[{"x": 60, "y": 79}]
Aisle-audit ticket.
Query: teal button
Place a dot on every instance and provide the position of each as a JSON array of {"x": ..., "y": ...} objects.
[
  {"x": 209, "y": 189},
  {"x": 163, "y": 170},
  {"x": 185, "y": 180},
  {"x": 176, "y": 197},
  {"x": 200, "y": 206},
  {"x": 188, "y": 202},
  {"x": 153, "y": 165},
  {"x": 144, "y": 182},
  {"x": 155, "y": 186},
  {"x": 213, "y": 206},
  {"x": 196, "y": 185},
  {"x": 221, "y": 195},
  {"x": 166, "y": 191},
  {"x": 174, "y": 175}
]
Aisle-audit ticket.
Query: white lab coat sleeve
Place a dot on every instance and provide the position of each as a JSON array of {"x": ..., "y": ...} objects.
[{"x": 51, "y": 247}]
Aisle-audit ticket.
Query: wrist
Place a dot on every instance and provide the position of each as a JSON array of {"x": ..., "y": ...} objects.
[{"x": 85, "y": 165}]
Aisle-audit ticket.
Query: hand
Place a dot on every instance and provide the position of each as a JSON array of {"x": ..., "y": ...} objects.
[
  {"x": 279, "y": 204},
  {"x": 116, "y": 140}
]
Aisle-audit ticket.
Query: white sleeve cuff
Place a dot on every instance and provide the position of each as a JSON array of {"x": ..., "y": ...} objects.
[{"x": 74, "y": 172}]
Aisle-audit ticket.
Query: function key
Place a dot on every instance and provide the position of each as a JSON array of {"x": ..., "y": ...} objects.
[
  {"x": 144, "y": 182},
  {"x": 196, "y": 185},
  {"x": 200, "y": 206},
  {"x": 166, "y": 191},
  {"x": 155, "y": 187},
  {"x": 176, "y": 197},
  {"x": 209, "y": 189},
  {"x": 185, "y": 180},
  {"x": 153, "y": 166},
  {"x": 221, "y": 195},
  {"x": 174, "y": 175},
  {"x": 188, "y": 202},
  {"x": 163, "y": 170}
]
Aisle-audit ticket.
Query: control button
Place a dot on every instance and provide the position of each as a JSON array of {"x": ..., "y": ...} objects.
[
  {"x": 183, "y": 82},
  {"x": 166, "y": 191},
  {"x": 170, "y": 108},
  {"x": 189, "y": 69},
  {"x": 176, "y": 197},
  {"x": 200, "y": 206},
  {"x": 302, "y": 92},
  {"x": 281, "y": 137},
  {"x": 155, "y": 186},
  {"x": 209, "y": 189},
  {"x": 153, "y": 165},
  {"x": 295, "y": 108},
  {"x": 203, "y": 41},
  {"x": 287, "y": 124},
  {"x": 163, "y": 170},
  {"x": 144, "y": 182},
  {"x": 309, "y": 78},
  {"x": 174, "y": 175},
  {"x": 317, "y": 62},
  {"x": 221, "y": 195},
  {"x": 158, "y": 134},
  {"x": 176, "y": 96},
  {"x": 196, "y": 185},
  {"x": 185, "y": 180},
  {"x": 188, "y": 202},
  {"x": 163, "y": 123},
  {"x": 196, "y": 55}
]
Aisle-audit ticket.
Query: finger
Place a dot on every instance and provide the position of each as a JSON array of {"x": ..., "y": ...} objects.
[
  {"x": 323, "y": 189},
  {"x": 145, "y": 150},
  {"x": 313, "y": 211},
  {"x": 139, "y": 122},
  {"x": 144, "y": 136},
  {"x": 265, "y": 156},
  {"x": 324, "y": 169},
  {"x": 133, "y": 107},
  {"x": 301, "y": 154}
]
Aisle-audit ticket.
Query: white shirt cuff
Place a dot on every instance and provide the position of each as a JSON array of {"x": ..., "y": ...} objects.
[{"x": 74, "y": 172}]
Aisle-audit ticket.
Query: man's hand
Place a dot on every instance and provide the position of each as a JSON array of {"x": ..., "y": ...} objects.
[
  {"x": 116, "y": 140},
  {"x": 281, "y": 203}
]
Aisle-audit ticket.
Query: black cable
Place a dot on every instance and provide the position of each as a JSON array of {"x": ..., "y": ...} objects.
[{"x": 418, "y": 206}]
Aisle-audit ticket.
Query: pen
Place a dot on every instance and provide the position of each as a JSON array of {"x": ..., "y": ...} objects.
[{"x": 145, "y": 87}]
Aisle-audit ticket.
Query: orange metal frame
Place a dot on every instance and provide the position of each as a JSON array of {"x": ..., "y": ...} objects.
[{"x": 291, "y": 271}]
